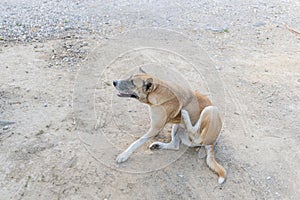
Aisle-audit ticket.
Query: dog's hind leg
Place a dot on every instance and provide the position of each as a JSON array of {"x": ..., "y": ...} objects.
[
  {"x": 205, "y": 132},
  {"x": 188, "y": 123},
  {"x": 173, "y": 145}
]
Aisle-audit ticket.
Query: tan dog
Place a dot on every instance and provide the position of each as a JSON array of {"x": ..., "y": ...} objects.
[{"x": 170, "y": 103}]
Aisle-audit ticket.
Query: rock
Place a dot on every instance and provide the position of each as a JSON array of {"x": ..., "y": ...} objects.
[
  {"x": 5, "y": 123},
  {"x": 259, "y": 24},
  {"x": 5, "y": 127},
  {"x": 219, "y": 68},
  {"x": 40, "y": 132},
  {"x": 217, "y": 29}
]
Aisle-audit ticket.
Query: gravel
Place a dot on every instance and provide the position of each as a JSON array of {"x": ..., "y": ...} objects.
[{"x": 35, "y": 20}]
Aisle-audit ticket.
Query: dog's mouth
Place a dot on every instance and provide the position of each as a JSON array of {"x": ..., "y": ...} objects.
[{"x": 124, "y": 94}]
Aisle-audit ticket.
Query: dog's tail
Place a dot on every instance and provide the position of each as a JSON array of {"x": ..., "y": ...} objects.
[{"x": 213, "y": 165}]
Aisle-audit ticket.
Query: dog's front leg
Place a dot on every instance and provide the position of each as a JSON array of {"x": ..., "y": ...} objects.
[
  {"x": 173, "y": 145},
  {"x": 158, "y": 121},
  {"x": 125, "y": 155}
]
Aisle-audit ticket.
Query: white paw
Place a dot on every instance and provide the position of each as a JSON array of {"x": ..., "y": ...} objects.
[
  {"x": 184, "y": 114},
  {"x": 155, "y": 146},
  {"x": 122, "y": 157}
]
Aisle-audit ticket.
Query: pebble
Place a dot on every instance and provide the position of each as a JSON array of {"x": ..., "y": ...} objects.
[
  {"x": 259, "y": 24},
  {"x": 5, "y": 128},
  {"x": 219, "y": 68},
  {"x": 269, "y": 178},
  {"x": 217, "y": 29}
]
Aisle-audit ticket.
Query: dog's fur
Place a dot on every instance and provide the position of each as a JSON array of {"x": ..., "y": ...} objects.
[{"x": 170, "y": 103}]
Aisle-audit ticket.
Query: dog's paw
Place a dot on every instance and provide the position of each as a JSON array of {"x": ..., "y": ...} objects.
[
  {"x": 122, "y": 157},
  {"x": 184, "y": 114},
  {"x": 155, "y": 146}
]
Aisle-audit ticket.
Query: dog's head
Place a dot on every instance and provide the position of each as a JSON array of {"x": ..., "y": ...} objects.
[{"x": 136, "y": 86}]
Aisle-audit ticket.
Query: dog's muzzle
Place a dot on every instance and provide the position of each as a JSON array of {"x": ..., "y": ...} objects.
[{"x": 123, "y": 93}]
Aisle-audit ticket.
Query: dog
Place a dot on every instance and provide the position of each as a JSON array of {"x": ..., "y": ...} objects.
[{"x": 191, "y": 112}]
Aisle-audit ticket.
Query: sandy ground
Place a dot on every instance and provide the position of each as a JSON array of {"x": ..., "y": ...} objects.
[{"x": 58, "y": 99}]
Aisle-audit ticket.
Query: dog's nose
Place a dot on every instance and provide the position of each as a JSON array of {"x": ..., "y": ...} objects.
[{"x": 115, "y": 83}]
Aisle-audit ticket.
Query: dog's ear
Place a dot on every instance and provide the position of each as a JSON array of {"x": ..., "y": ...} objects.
[
  {"x": 148, "y": 85},
  {"x": 142, "y": 71}
]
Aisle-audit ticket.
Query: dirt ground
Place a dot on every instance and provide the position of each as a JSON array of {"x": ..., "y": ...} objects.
[{"x": 56, "y": 101}]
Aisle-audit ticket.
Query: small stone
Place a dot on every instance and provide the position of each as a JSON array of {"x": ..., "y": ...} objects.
[
  {"x": 5, "y": 128},
  {"x": 45, "y": 105},
  {"x": 270, "y": 101},
  {"x": 218, "y": 68},
  {"x": 269, "y": 178},
  {"x": 40, "y": 132},
  {"x": 84, "y": 44},
  {"x": 181, "y": 176},
  {"x": 259, "y": 24}
]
